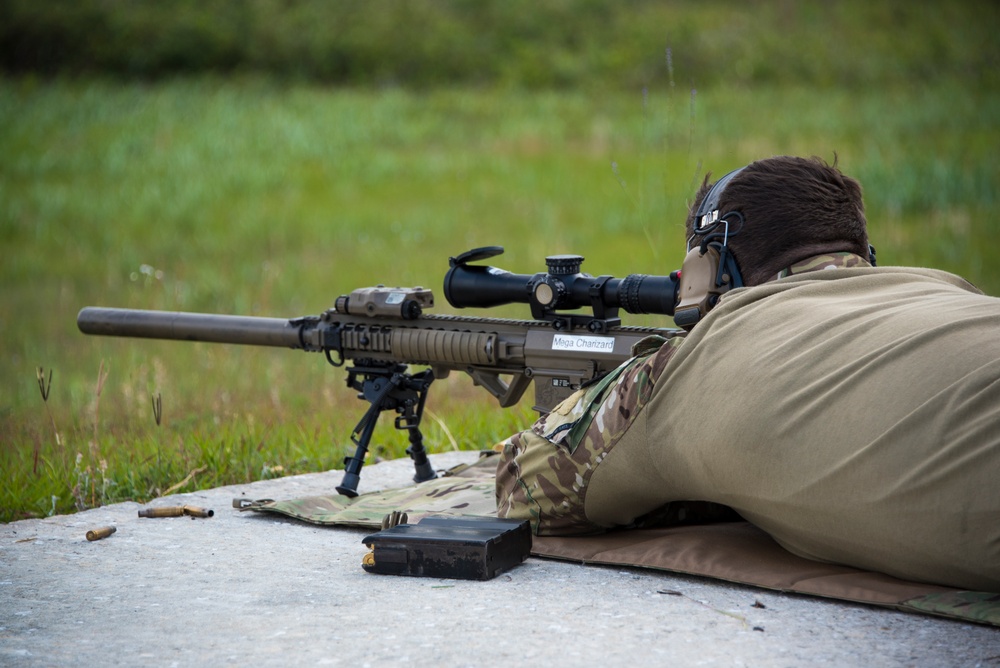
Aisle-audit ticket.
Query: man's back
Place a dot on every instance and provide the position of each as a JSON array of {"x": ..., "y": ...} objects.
[{"x": 853, "y": 414}]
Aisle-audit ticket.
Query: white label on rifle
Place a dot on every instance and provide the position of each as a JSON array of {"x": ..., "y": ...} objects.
[{"x": 593, "y": 344}]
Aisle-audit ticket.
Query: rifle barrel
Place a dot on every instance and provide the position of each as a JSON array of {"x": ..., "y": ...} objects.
[{"x": 179, "y": 326}]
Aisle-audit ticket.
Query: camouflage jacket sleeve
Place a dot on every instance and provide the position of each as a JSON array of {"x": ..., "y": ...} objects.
[{"x": 543, "y": 472}]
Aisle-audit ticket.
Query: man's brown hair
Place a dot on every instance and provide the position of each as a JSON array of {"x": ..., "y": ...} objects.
[{"x": 793, "y": 208}]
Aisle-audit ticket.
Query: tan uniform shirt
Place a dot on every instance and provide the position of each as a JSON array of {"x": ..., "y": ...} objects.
[{"x": 852, "y": 414}]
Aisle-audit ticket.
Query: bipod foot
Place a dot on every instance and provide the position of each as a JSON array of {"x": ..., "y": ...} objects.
[
  {"x": 424, "y": 472},
  {"x": 349, "y": 485},
  {"x": 346, "y": 491}
]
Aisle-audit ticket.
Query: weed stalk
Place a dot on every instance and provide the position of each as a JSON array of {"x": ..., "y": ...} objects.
[
  {"x": 45, "y": 386},
  {"x": 157, "y": 402},
  {"x": 102, "y": 376}
]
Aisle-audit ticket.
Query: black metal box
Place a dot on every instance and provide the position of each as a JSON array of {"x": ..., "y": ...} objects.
[{"x": 464, "y": 548}]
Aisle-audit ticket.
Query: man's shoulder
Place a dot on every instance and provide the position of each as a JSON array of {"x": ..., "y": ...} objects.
[
  {"x": 848, "y": 294},
  {"x": 876, "y": 278}
]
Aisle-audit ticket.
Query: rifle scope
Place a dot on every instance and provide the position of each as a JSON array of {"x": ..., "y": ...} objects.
[{"x": 562, "y": 287}]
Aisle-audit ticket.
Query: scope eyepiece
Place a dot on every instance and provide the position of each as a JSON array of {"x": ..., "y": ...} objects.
[{"x": 562, "y": 287}]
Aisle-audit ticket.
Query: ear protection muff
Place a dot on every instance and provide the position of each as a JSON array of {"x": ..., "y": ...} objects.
[
  {"x": 709, "y": 269},
  {"x": 705, "y": 276}
]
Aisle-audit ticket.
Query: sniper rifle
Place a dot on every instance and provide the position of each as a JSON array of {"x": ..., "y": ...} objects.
[{"x": 383, "y": 330}]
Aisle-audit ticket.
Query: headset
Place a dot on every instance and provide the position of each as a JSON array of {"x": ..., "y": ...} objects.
[{"x": 709, "y": 268}]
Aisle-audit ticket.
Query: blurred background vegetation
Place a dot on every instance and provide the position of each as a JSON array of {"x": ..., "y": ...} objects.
[
  {"x": 262, "y": 157},
  {"x": 525, "y": 43}
]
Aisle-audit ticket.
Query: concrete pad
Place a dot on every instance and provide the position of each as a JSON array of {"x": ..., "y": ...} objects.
[{"x": 261, "y": 590}]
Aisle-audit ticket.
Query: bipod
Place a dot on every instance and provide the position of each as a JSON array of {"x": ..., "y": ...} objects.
[{"x": 387, "y": 386}]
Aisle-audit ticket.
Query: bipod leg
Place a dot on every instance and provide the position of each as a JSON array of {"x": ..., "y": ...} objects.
[
  {"x": 376, "y": 389},
  {"x": 417, "y": 452},
  {"x": 352, "y": 465},
  {"x": 410, "y": 420}
]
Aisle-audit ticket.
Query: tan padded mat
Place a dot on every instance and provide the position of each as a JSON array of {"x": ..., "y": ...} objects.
[{"x": 734, "y": 551}]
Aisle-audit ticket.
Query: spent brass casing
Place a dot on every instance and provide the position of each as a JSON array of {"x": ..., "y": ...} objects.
[
  {"x": 195, "y": 511},
  {"x": 176, "y": 511},
  {"x": 167, "y": 511},
  {"x": 98, "y": 534}
]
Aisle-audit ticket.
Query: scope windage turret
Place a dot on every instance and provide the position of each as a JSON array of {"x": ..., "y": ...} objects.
[{"x": 563, "y": 287}]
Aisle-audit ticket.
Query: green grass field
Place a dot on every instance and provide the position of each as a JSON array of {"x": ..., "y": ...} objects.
[{"x": 253, "y": 197}]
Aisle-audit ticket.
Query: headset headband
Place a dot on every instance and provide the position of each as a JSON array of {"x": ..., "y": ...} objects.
[
  {"x": 710, "y": 205},
  {"x": 709, "y": 268},
  {"x": 706, "y": 224}
]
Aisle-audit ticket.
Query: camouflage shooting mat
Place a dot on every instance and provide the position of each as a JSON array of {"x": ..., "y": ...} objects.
[{"x": 732, "y": 551}]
